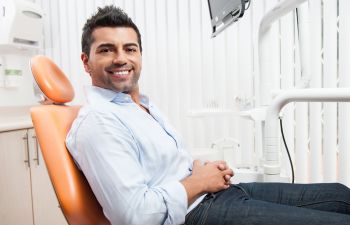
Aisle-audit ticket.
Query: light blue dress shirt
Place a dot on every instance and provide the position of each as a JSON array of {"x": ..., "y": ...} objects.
[{"x": 133, "y": 160}]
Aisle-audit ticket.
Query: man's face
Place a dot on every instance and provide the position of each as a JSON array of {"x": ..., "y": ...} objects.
[{"x": 115, "y": 59}]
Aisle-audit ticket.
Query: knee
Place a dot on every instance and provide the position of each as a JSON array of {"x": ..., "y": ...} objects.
[{"x": 341, "y": 188}]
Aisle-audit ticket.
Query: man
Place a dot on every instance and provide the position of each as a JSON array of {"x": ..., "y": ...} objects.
[{"x": 137, "y": 166}]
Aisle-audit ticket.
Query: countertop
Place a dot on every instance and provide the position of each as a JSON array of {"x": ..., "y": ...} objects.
[{"x": 15, "y": 118}]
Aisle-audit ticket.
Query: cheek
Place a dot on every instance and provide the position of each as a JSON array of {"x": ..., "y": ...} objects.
[
  {"x": 97, "y": 72},
  {"x": 137, "y": 60},
  {"x": 97, "y": 67},
  {"x": 140, "y": 65}
]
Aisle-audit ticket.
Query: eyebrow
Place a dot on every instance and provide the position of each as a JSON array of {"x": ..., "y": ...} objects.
[
  {"x": 131, "y": 45},
  {"x": 109, "y": 45},
  {"x": 105, "y": 45}
]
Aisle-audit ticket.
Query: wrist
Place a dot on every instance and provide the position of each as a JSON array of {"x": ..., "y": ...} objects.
[
  {"x": 197, "y": 184},
  {"x": 194, "y": 187}
]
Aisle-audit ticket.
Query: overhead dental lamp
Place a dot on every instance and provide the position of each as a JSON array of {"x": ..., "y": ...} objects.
[{"x": 225, "y": 12}]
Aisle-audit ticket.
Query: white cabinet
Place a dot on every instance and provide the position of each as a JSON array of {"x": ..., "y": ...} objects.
[
  {"x": 26, "y": 193},
  {"x": 15, "y": 190}
]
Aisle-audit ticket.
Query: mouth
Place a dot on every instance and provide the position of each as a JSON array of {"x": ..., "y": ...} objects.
[{"x": 120, "y": 74}]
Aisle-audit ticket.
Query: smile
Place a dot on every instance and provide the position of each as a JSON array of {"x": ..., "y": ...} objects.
[{"x": 121, "y": 73}]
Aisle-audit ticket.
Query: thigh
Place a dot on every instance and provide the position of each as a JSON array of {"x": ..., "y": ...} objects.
[
  {"x": 333, "y": 197},
  {"x": 198, "y": 215},
  {"x": 251, "y": 212},
  {"x": 215, "y": 204}
]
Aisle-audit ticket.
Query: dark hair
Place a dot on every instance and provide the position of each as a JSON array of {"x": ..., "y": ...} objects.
[{"x": 109, "y": 16}]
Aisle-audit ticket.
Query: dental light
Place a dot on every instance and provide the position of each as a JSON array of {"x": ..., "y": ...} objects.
[{"x": 225, "y": 12}]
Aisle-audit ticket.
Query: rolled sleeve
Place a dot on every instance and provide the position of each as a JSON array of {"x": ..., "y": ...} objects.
[{"x": 175, "y": 198}]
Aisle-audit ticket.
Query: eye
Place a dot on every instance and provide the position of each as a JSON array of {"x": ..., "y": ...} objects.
[
  {"x": 104, "y": 50},
  {"x": 131, "y": 49}
]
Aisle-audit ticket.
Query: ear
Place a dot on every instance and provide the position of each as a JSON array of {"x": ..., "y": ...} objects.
[{"x": 85, "y": 60}]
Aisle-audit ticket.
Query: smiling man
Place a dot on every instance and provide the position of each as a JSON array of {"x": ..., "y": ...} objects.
[
  {"x": 138, "y": 167},
  {"x": 132, "y": 158}
]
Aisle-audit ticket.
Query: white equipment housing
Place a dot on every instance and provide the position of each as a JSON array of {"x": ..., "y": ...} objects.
[{"x": 21, "y": 24}]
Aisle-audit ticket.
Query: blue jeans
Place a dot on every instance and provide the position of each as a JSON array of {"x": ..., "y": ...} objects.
[{"x": 274, "y": 204}]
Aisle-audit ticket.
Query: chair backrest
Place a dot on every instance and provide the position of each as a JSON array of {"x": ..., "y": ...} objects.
[{"x": 51, "y": 124}]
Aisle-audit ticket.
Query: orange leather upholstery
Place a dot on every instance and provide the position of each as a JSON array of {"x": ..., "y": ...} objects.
[
  {"x": 51, "y": 80},
  {"x": 51, "y": 123}
]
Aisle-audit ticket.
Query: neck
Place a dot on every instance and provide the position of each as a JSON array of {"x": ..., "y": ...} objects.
[{"x": 135, "y": 96}]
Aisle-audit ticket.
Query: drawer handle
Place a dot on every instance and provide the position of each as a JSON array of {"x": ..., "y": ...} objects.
[
  {"x": 26, "y": 147},
  {"x": 36, "y": 150}
]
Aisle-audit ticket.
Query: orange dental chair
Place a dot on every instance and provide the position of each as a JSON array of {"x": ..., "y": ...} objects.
[{"x": 51, "y": 122}]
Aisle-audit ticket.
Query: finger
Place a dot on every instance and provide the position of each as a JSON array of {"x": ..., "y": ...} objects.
[
  {"x": 227, "y": 178},
  {"x": 196, "y": 163},
  {"x": 231, "y": 172},
  {"x": 222, "y": 167},
  {"x": 220, "y": 162},
  {"x": 226, "y": 186},
  {"x": 227, "y": 172}
]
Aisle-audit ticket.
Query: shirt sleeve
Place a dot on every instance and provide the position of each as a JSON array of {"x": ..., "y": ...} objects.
[{"x": 108, "y": 155}]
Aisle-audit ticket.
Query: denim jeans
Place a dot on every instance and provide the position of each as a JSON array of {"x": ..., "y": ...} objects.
[{"x": 274, "y": 204}]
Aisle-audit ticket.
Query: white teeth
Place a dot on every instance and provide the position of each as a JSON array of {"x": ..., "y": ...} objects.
[{"x": 121, "y": 73}]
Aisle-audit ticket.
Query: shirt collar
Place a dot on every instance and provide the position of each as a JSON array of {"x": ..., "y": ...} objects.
[{"x": 96, "y": 94}]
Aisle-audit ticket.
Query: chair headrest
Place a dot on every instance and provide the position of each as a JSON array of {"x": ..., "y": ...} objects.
[{"x": 52, "y": 82}]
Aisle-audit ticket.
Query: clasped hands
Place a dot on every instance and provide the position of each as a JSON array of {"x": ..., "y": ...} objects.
[{"x": 215, "y": 176}]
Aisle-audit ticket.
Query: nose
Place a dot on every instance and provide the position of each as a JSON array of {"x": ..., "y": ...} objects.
[{"x": 120, "y": 58}]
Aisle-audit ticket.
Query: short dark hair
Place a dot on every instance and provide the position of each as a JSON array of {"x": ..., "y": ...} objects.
[{"x": 109, "y": 16}]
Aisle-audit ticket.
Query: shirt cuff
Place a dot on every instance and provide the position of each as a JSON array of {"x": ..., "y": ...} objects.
[{"x": 175, "y": 197}]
